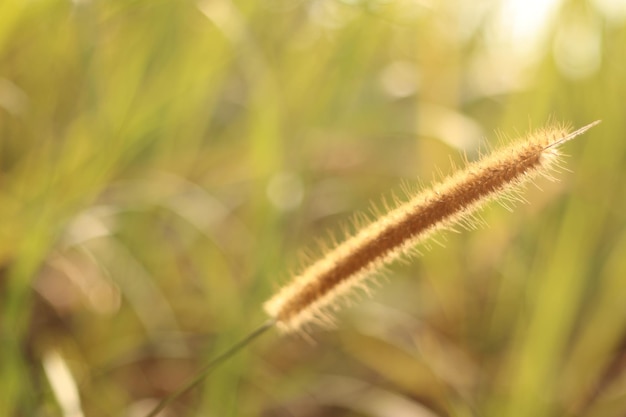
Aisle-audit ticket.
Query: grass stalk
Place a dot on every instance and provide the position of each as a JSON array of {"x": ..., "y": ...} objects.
[{"x": 310, "y": 294}]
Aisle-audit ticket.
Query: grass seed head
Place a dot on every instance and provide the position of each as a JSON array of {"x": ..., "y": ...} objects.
[{"x": 314, "y": 293}]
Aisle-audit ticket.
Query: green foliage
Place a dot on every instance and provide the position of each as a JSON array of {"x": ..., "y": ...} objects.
[{"x": 162, "y": 163}]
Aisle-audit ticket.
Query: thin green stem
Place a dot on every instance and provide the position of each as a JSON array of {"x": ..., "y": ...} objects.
[{"x": 204, "y": 372}]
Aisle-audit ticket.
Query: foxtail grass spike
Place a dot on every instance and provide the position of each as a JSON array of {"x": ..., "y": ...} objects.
[{"x": 316, "y": 291}]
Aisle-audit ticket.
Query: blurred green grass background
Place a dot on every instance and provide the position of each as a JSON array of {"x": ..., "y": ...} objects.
[{"x": 163, "y": 163}]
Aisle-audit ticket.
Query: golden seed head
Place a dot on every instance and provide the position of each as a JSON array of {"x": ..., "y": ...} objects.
[{"x": 318, "y": 288}]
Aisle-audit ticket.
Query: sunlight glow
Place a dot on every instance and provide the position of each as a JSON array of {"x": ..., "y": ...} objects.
[
  {"x": 515, "y": 41},
  {"x": 522, "y": 25}
]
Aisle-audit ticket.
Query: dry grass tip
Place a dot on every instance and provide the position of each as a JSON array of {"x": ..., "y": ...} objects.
[{"x": 310, "y": 294}]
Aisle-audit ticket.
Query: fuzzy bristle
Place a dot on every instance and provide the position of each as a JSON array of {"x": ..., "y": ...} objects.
[{"x": 315, "y": 291}]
